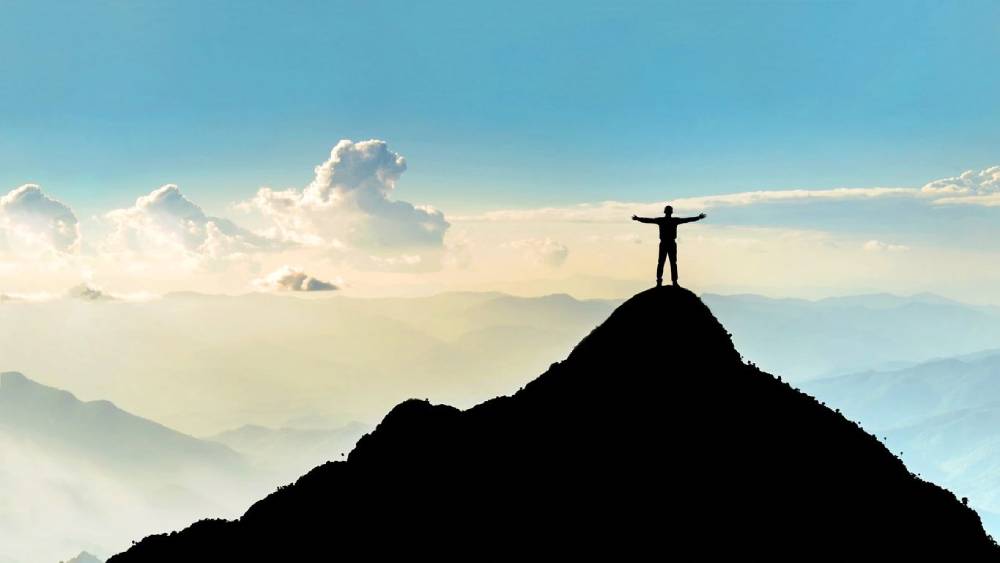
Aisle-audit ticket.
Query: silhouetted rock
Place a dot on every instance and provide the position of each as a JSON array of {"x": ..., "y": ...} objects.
[{"x": 651, "y": 439}]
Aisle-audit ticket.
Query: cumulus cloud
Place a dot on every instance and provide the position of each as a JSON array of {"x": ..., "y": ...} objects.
[
  {"x": 166, "y": 220},
  {"x": 31, "y": 219},
  {"x": 349, "y": 203},
  {"x": 543, "y": 251},
  {"x": 879, "y": 246},
  {"x": 968, "y": 188},
  {"x": 349, "y": 215},
  {"x": 288, "y": 278},
  {"x": 984, "y": 182}
]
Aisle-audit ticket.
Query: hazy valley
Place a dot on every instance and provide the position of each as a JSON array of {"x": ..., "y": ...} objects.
[{"x": 251, "y": 391}]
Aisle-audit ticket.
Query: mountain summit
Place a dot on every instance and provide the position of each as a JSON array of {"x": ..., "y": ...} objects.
[{"x": 652, "y": 437}]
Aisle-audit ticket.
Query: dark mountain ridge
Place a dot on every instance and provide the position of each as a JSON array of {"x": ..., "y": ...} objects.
[{"x": 653, "y": 437}]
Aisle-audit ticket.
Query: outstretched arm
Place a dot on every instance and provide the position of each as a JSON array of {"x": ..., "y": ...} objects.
[
  {"x": 643, "y": 219},
  {"x": 691, "y": 219}
]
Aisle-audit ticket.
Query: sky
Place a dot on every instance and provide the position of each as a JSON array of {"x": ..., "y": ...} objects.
[{"x": 148, "y": 147}]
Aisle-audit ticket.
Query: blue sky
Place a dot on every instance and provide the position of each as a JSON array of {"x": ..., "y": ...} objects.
[
  {"x": 495, "y": 104},
  {"x": 516, "y": 120}
]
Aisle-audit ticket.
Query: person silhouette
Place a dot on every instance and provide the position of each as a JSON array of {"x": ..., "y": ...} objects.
[{"x": 668, "y": 239}]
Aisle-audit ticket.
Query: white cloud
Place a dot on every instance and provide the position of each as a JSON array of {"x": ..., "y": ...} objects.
[
  {"x": 349, "y": 203},
  {"x": 769, "y": 196},
  {"x": 347, "y": 219},
  {"x": 617, "y": 211},
  {"x": 543, "y": 251},
  {"x": 984, "y": 182},
  {"x": 879, "y": 246},
  {"x": 288, "y": 278},
  {"x": 968, "y": 188},
  {"x": 29, "y": 219},
  {"x": 988, "y": 200},
  {"x": 165, "y": 221}
]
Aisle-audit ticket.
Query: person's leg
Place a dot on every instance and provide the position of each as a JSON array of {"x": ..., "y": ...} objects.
[
  {"x": 672, "y": 250},
  {"x": 659, "y": 263}
]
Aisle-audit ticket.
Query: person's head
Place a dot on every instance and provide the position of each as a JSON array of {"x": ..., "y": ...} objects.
[{"x": 668, "y": 211}]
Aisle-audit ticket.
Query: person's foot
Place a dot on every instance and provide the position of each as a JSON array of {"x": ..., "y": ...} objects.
[
  {"x": 659, "y": 283},
  {"x": 676, "y": 284}
]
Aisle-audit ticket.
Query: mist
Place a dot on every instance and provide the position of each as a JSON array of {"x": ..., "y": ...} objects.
[
  {"x": 135, "y": 418},
  {"x": 207, "y": 364}
]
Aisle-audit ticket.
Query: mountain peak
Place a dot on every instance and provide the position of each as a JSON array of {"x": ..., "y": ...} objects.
[
  {"x": 19, "y": 393},
  {"x": 12, "y": 379},
  {"x": 15, "y": 383},
  {"x": 651, "y": 437},
  {"x": 84, "y": 557},
  {"x": 658, "y": 318}
]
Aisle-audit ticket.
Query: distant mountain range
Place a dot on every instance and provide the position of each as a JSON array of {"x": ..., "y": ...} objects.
[
  {"x": 98, "y": 476},
  {"x": 812, "y": 339},
  {"x": 105, "y": 434},
  {"x": 902, "y": 397},
  {"x": 652, "y": 438},
  {"x": 943, "y": 415},
  {"x": 212, "y": 363},
  {"x": 218, "y": 362},
  {"x": 921, "y": 371}
]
